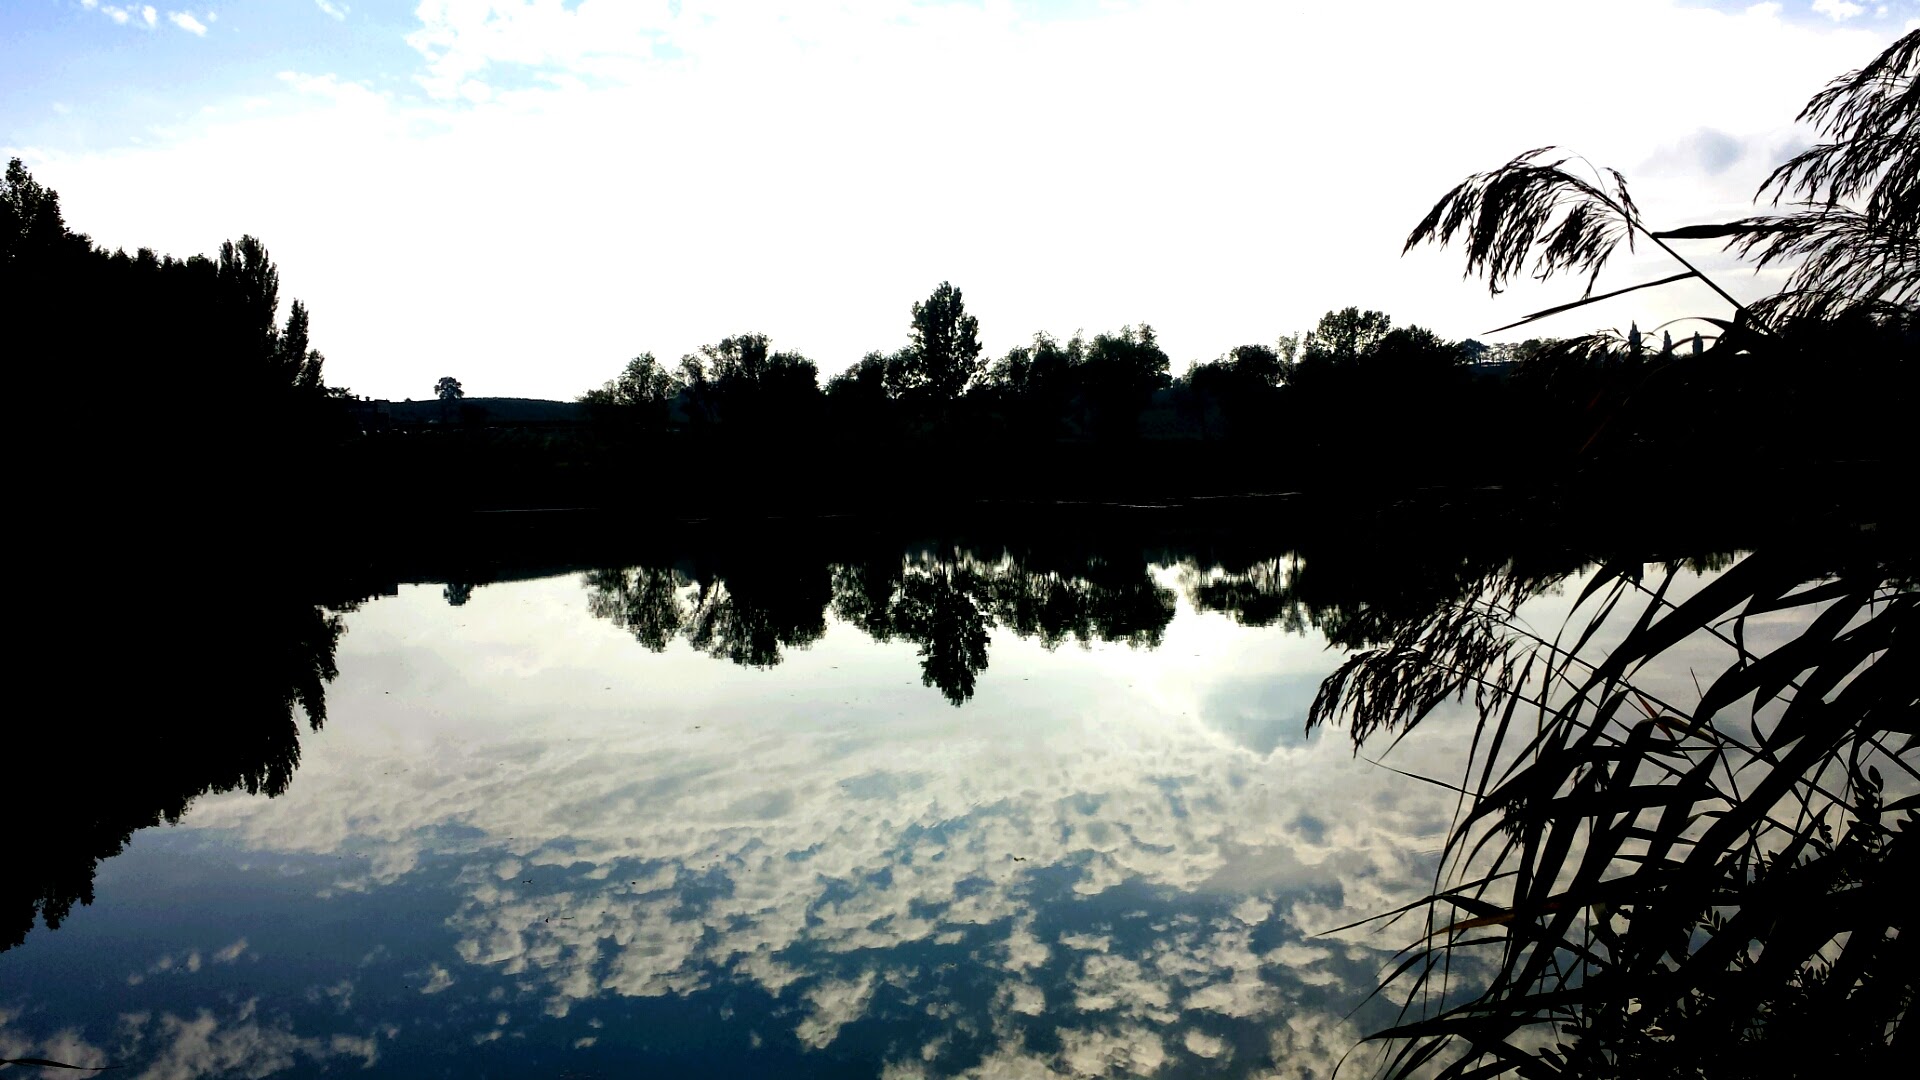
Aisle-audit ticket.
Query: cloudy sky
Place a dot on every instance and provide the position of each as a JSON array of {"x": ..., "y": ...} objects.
[{"x": 524, "y": 193}]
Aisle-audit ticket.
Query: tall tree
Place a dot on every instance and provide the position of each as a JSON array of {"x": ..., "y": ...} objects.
[
  {"x": 742, "y": 382},
  {"x": 30, "y": 220},
  {"x": 250, "y": 289},
  {"x": 640, "y": 396},
  {"x": 1117, "y": 376},
  {"x": 448, "y": 389},
  {"x": 944, "y": 357},
  {"x": 645, "y": 382},
  {"x": 296, "y": 363},
  {"x": 1345, "y": 336}
]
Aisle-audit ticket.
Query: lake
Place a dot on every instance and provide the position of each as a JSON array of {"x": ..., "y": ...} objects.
[{"x": 921, "y": 808}]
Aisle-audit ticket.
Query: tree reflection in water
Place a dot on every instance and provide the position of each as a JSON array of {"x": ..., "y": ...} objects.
[
  {"x": 747, "y": 609},
  {"x": 743, "y": 610},
  {"x": 226, "y": 679}
]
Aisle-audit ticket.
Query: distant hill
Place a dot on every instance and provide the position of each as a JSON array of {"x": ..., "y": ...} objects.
[{"x": 499, "y": 410}]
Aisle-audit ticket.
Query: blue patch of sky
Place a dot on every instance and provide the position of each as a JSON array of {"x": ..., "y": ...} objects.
[
  {"x": 1869, "y": 13},
  {"x": 83, "y": 75},
  {"x": 77, "y": 78}
]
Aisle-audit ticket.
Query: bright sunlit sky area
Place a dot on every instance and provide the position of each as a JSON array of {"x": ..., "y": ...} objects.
[{"x": 525, "y": 193}]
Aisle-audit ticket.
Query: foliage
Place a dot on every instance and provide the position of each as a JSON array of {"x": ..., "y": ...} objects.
[
  {"x": 1632, "y": 885},
  {"x": 1034, "y": 386},
  {"x": 243, "y": 732},
  {"x": 1344, "y": 336},
  {"x": 196, "y": 418},
  {"x": 864, "y": 385},
  {"x": 448, "y": 389},
  {"x": 31, "y": 225},
  {"x": 643, "y": 393},
  {"x": 1533, "y": 210},
  {"x": 1662, "y": 890},
  {"x": 1117, "y": 378},
  {"x": 193, "y": 395},
  {"x": 749, "y": 607},
  {"x": 1855, "y": 241},
  {"x": 1847, "y": 258},
  {"x": 742, "y": 380},
  {"x": 944, "y": 357}
]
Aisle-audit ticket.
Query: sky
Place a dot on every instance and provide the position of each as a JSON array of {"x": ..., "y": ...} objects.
[{"x": 525, "y": 193}]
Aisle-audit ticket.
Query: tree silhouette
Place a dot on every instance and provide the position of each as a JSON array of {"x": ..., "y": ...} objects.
[
  {"x": 641, "y": 397},
  {"x": 258, "y": 413},
  {"x": 1242, "y": 386},
  {"x": 448, "y": 389},
  {"x": 30, "y": 220},
  {"x": 742, "y": 382},
  {"x": 274, "y": 657},
  {"x": 939, "y": 608},
  {"x": 857, "y": 398},
  {"x": 944, "y": 357},
  {"x": 1033, "y": 385},
  {"x": 1344, "y": 336},
  {"x": 644, "y": 383},
  {"x": 294, "y": 361},
  {"x": 1116, "y": 379},
  {"x": 748, "y": 607},
  {"x": 643, "y": 600},
  {"x": 758, "y": 607}
]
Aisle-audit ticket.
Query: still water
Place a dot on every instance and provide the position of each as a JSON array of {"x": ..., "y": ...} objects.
[{"x": 935, "y": 814}]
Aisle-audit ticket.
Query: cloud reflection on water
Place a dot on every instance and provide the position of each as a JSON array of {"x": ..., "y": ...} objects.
[{"x": 1107, "y": 860}]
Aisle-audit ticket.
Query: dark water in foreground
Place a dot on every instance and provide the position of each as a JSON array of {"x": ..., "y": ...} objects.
[{"x": 962, "y": 819}]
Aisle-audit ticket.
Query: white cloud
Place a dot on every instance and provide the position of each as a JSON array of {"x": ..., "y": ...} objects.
[
  {"x": 128, "y": 15},
  {"x": 834, "y": 1004},
  {"x": 118, "y": 14},
  {"x": 336, "y": 11},
  {"x": 588, "y": 898},
  {"x": 179, "y": 1048},
  {"x": 173, "y": 1047},
  {"x": 186, "y": 21},
  {"x": 189, "y": 963},
  {"x": 1201, "y": 1044},
  {"x": 437, "y": 979},
  {"x": 1838, "y": 10},
  {"x": 1129, "y": 1051}
]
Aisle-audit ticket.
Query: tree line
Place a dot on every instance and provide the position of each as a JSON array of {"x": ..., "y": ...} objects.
[
  {"x": 243, "y": 417},
  {"x": 1354, "y": 402},
  {"x": 154, "y": 381},
  {"x": 1088, "y": 388}
]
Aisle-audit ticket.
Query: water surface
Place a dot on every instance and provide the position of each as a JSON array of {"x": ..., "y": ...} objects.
[{"x": 930, "y": 814}]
